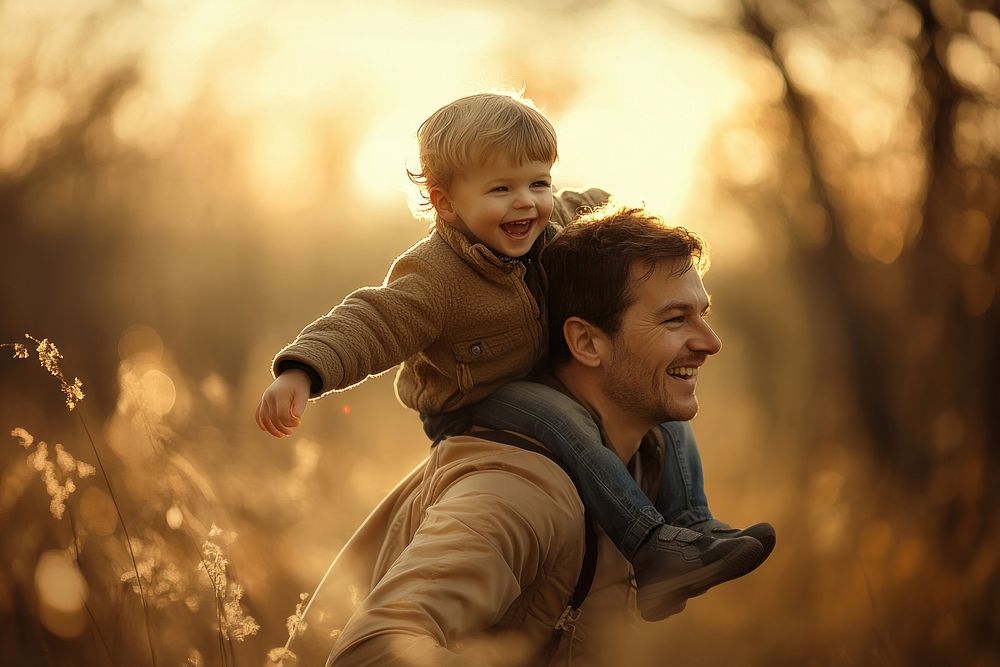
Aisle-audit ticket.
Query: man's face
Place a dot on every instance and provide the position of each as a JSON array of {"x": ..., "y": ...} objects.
[
  {"x": 662, "y": 342},
  {"x": 503, "y": 205}
]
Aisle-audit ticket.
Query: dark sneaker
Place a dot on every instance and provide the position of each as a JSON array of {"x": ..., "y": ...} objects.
[
  {"x": 762, "y": 532},
  {"x": 675, "y": 564}
]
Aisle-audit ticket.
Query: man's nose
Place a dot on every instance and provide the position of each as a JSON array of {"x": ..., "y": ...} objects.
[{"x": 707, "y": 340}]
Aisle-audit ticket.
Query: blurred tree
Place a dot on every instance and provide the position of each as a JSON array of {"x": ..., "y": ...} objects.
[
  {"x": 886, "y": 144},
  {"x": 107, "y": 233},
  {"x": 60, "y": 235},
  {"x": 940, "y": 280}
]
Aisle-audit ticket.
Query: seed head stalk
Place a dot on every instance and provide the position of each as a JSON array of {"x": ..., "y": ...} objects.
[
  {"x": 49, "y": 357},
  {"x": 128, "y": 539}
]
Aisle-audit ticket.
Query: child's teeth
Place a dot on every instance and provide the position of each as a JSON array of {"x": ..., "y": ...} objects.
[{"x": 516, "y": 226}]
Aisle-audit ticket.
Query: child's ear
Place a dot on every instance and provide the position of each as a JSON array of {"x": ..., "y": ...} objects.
[
  {"x": 587, "y": 344},
  {"x": 443, "y": 205}
]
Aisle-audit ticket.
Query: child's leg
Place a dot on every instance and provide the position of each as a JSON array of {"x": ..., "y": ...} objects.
[
  {"x": 567, "y": 429},
  {"x": 681, "y": 499}
]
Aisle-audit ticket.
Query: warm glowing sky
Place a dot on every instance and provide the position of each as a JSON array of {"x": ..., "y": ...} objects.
[{"x": 644, "y": 95}]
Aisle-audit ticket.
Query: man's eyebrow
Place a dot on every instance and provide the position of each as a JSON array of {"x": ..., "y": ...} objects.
[{"x": 686, "y": 306}]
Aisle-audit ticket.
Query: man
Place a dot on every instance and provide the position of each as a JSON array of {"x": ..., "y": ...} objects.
[{"x": 472, "y": 558}]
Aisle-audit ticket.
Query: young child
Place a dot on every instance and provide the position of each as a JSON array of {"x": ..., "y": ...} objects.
[{"x": 463, "y": 310}]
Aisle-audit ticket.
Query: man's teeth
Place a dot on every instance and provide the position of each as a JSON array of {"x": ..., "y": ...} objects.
[{"x": 683, "y": 371}]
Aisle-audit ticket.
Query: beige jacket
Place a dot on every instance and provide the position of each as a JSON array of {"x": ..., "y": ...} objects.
[
  {"x": 461, "y": 321},
  {"x": 470, "y": 561}
]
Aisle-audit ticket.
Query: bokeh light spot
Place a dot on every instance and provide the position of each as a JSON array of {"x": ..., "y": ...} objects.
[
  {"x": 175, "y": 517},
  {"x": 971, "y": 65},
  {"x": 215, "y": 389},
  {"x": 61, "y": 594},
  {"x": 97, "y": 511},
  {"x": 979, "y": 291},
  {"x": 158, "y": 391},
  {"x": 809, "y": 65},
  {"x": 985, "y": 27},
  {"x": 885, "y": 242},
  {"x": 971, "y": 237},
  {"x": 140, "y": 339}
]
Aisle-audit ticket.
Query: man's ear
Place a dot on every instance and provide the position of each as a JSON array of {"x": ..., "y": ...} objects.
[
  {"x": 587, "y": 343},
  {"x": 443, "y": 204}
]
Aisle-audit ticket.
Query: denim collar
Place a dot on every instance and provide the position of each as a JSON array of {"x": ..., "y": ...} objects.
[{"x": 648, "y": 460}]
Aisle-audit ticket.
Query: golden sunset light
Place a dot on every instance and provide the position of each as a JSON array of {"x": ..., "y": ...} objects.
[{"x": 185, "y": 186}]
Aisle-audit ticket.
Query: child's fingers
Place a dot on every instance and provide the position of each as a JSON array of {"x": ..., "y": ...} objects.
[
  {"x": 263, "y": 422},
  {"x": 286, "y": 419},
  {"x": 256, "y": 417},
  {"x": 282, "y": 429},
  {"x": 271, "y": 422},
  {"x": 299, "y": 404}
]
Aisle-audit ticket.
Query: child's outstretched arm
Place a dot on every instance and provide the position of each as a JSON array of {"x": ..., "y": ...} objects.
[{"x": 372, "y": 330}]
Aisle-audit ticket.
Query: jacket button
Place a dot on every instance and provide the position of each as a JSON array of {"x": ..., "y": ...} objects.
[{"x": 476, "y": 350}]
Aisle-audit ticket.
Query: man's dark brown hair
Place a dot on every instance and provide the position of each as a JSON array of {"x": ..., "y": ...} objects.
[{"x": 588, "y": 265}]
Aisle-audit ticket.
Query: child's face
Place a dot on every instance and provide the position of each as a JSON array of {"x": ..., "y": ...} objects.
[{"x": 502, "y": 205}]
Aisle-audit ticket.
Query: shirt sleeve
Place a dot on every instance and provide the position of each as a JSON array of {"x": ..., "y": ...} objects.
[
  {"x": 478, "y": 547},
  {"x": 373, "y": 329}
]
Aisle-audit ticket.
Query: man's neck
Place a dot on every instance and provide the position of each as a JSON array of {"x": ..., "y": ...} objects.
[{"x": 623, "y": 431}]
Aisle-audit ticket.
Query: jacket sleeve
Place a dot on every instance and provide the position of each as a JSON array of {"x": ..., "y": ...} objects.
[
  {"x": 478, "y": 546},
  {"x": 373, "y": 329},
  {"x": 568, "y": 203}
]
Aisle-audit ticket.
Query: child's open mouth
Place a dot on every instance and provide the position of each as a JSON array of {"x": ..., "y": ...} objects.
[{"x": 518, "y": 229}]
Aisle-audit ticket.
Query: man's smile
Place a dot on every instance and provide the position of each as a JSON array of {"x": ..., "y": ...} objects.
[{"x": 685, "y": 374}]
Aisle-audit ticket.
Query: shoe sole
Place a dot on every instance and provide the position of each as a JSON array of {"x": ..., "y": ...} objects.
[{"x": 658, "y": 601}]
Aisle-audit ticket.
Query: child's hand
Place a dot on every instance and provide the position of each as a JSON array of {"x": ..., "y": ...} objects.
[{"x": 283, "y": 403}]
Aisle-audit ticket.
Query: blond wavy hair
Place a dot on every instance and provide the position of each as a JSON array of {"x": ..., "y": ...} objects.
[{"x": 474, "y": 130}]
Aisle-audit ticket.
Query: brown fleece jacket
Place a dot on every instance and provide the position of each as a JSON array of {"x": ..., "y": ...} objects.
[{"x": 460, "y": 320}]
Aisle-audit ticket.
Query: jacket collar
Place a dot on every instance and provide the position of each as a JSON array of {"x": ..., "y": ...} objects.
[{"x": 478, "y": 254}]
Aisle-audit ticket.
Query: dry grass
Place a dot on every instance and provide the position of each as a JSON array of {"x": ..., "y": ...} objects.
[
  {"x": 181, "y": 537},
  {"x": 167, "y": 571}
]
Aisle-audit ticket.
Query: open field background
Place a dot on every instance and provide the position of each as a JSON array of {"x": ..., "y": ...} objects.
[{"x": 184, "y": 185}]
